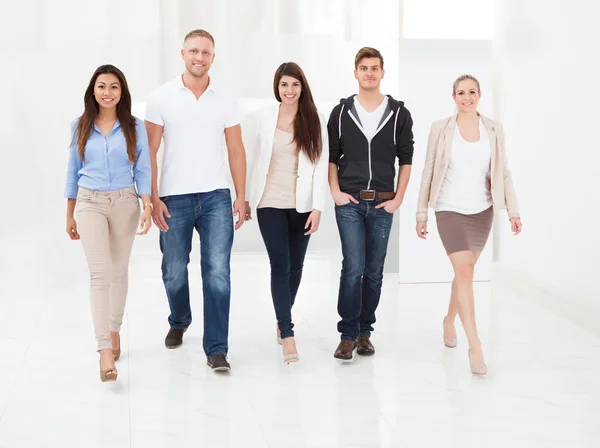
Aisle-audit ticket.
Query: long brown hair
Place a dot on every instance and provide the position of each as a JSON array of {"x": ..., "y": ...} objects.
[
  {"x": 307, "y": 126},
  {"x": 127, "y": 121}
]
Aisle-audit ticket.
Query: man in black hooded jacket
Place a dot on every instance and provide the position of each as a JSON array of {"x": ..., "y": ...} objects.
[{"x": 367, "y": 132}]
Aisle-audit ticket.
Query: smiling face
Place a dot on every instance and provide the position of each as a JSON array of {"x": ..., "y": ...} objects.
[
  {"x": 198, "y": 54},
  {"x": 107, "y": 91},
  {"x": 290, "y": 90},
  {"x": 466, "y": 96}
]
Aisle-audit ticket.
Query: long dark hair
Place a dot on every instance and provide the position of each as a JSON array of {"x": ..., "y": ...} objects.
[
  {"x": 307, "y": 126},
  {"x": 127, "y": 121}
]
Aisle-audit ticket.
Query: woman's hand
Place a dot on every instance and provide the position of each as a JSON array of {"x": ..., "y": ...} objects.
[
  {"x": 516, "y": 225},
  {"x": 313, "y": 221},
  {"x": 72, "y": 228},
  {"x": 145, "y": 221},
  {"x": 422, "y": 230}
]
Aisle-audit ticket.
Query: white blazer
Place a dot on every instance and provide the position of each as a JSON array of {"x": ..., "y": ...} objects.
[{"x": 258, "y": 133}]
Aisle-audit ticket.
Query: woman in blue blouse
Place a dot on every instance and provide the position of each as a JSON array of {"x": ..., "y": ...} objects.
[{"x": 108, "y": 154}]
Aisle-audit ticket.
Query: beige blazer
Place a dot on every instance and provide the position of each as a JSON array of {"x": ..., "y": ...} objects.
[{"x": 439, "y": 149}]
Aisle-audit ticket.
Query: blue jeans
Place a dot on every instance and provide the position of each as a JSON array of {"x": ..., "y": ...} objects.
[
  {"x": 364, "y": 232},
  {"x": 283, "y": 233},
  {"x": 212, "y": 216}
]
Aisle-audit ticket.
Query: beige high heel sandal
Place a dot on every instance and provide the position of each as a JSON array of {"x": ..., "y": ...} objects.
[
  {"x": 290, "y": 358},
  {"x": 108, "y": 375}
]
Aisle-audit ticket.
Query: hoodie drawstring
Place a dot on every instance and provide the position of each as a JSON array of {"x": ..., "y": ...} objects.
[
  {"x": 396, "y": 124},
  {"x": 340, "y": 122}
]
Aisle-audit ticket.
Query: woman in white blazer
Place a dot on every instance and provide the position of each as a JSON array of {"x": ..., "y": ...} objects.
[
  {"x": 464, "y": 178},
  {"x": 287, "y": 159}
]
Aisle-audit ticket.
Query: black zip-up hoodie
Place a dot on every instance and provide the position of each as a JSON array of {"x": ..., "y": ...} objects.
[{"x": 364, "y": 164}]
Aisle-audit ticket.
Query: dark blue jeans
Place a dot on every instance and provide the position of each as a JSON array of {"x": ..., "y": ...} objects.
[
  {"x": 283, "y": 233},
  {"x": 364, "y": 232},
  {"x": 212, "y": 216}
]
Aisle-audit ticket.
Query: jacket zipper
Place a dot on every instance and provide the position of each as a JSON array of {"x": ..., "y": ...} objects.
[{"x": 369, "y": 141}]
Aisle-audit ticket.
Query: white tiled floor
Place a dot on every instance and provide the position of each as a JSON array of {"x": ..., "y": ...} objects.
[{"x": 542, "y": 390}]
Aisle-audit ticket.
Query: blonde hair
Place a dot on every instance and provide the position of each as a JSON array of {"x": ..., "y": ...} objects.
[
  {"x": 463, "y": 78},
  {"x": 199, "y": 33}
]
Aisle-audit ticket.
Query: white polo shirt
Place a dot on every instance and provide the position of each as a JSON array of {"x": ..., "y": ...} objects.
[{"x": 194, "y": 154}]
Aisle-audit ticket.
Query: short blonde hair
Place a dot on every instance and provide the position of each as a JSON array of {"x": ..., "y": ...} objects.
[
  {"x": 463, "y": 78},
  {"x": 199, "y": 33}
]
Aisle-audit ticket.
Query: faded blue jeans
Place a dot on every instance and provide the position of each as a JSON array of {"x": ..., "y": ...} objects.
[
  {"x": 211, "y": 215},
  {"x": 364, "y": 233}
]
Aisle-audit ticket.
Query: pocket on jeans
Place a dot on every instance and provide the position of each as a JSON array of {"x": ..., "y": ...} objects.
[
  {"x": 385, "y": 213},
  {"x": 83, "y": 199},
  {"x": 383, "y": 208},
  {"x": 83, "y": 202}
]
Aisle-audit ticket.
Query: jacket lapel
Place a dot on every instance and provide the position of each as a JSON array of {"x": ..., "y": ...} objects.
[
  {"x": 270, "y": 126},
  {"x": 448, "y": 137},
  {"x": 491, "y": 130}
]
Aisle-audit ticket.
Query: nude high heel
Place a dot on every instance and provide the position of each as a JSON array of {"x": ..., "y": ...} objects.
[
  {"x": 477, "y": 369},
  {"x": 450, "y": 343},
  {"x": 290, "y": 358},
  {"x": 108, "y": 375}
]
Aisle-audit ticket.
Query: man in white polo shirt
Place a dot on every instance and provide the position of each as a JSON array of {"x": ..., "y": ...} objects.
[{"x": 192, "y": 115}]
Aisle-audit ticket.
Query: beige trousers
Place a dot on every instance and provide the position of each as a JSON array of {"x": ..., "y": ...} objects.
[{"x": 107, "y": 223}]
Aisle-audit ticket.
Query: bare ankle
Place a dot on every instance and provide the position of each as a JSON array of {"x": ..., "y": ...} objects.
[{"x": 475, "y": 347}]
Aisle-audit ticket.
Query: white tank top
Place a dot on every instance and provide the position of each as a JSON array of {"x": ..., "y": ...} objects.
[{"x": 466, "y": 185}]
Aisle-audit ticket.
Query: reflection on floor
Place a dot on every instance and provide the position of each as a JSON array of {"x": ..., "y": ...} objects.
[{"x": 542, "y": 390}]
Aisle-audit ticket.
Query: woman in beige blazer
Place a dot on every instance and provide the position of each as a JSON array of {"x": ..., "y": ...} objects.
[{"x": 464, "y": 178}]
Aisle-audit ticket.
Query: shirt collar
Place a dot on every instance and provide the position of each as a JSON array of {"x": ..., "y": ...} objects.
[
  {"x": 116, "y": 126},
  {"x": 179, "y": 81}
]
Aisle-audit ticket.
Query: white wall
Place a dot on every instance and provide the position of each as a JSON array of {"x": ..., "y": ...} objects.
[
  {"x": 49, "y": 51},
  {"x": 444, "y": 19},
  {"x": 547, "y": 94},
  {"x": 427, "y": 70}
]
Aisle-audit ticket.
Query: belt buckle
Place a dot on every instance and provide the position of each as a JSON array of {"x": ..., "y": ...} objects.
[{"x": 367, "y": 195}]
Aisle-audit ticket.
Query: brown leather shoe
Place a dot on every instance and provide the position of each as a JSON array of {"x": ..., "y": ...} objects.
[
  {"x": 365, "y": 348},
  {"x": 345, "y": 351},
  {"x": 174, "y": 338},
  {"x": 218, "y": 363}
]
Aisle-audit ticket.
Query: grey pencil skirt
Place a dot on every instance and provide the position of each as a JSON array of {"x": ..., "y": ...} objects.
[{"x": 464, "y": 232}]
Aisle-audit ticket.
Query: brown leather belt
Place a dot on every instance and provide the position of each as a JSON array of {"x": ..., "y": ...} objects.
[{"x": 371, "y": 195}]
